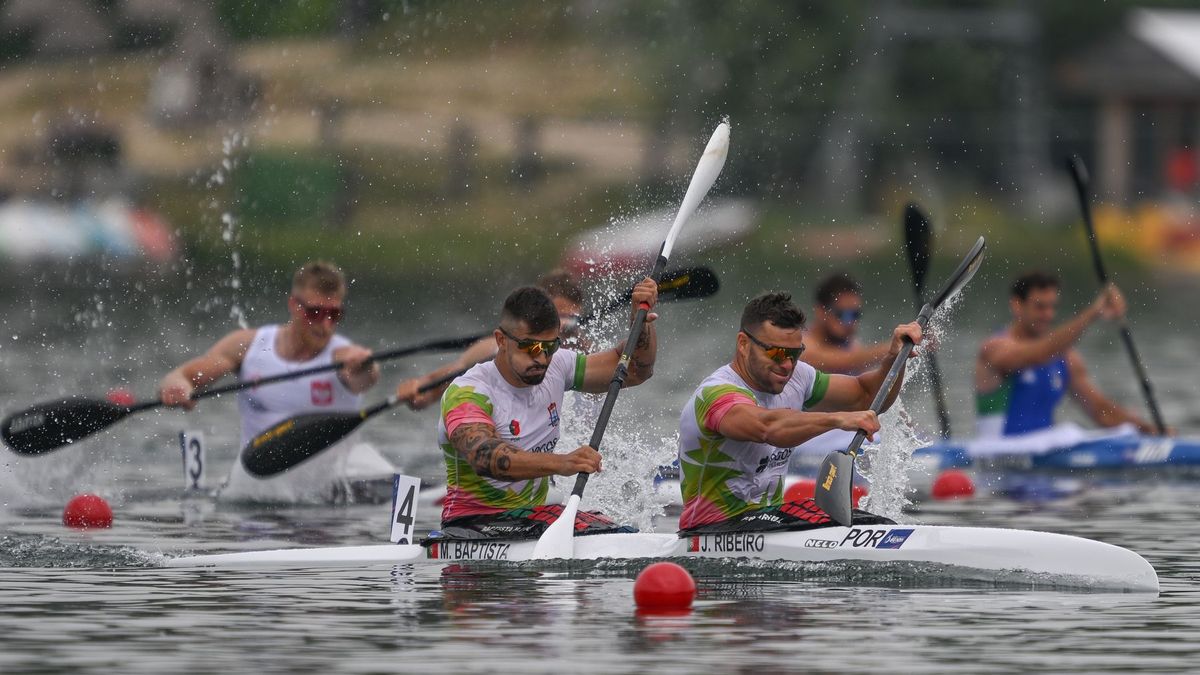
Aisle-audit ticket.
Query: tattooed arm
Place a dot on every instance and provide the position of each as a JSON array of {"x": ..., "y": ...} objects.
[{"x": 493, "y": 457}]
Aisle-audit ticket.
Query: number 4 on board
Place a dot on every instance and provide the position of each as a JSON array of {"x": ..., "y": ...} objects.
[{"x": 404, "y": 507}]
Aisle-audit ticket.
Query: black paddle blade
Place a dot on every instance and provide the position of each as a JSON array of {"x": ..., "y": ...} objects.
[
  {"x": 296, "y": 439},
  {"x": 51, "y": 425},
  {"x": 962, "y": 274},
  {"x": 918, "y": 235},
  {"x": 693, "y": 282},
  {"x": 834, "y": 481}
]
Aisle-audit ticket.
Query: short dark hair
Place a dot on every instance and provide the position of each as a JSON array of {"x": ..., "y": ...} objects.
[
  {"x": 834, "y": 285},
  {"x": 559, "y": 283},
  {"x": 321, "y": 276},
  {"x": 775, "y": 307},
  {"x": 1034, "y": 280},
  {"x": 529, "y": 305}
]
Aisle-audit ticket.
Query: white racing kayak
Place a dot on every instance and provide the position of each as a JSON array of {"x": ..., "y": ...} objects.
[{"x": 1055, "y": 558}]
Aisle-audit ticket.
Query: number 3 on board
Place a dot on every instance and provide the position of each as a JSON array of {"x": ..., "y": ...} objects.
[{"x": 404, "y": 507}]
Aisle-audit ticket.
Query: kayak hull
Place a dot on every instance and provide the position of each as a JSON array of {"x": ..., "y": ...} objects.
[{"x": 1060, "y": 559}]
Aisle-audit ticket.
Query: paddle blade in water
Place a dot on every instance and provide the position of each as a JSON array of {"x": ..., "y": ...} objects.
[
  {"x": 294, "y": 440},
  {"x": 832, "y": 492},
  {"x": 693, "y": 282},
  {"x": 48, "y": 426},
  {"x": 558, "y": 541}
]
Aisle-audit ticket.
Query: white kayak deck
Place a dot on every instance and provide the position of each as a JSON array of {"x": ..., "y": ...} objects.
[{"x": 1060, "y": 559}]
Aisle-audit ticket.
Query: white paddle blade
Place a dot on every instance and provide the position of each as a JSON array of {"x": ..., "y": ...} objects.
[
  {"x": 558, "y": 541},
  {"x": 707, "y": 170}
]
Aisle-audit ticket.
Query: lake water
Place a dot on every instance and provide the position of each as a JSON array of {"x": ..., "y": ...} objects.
[{"x": 101, "y": 601}]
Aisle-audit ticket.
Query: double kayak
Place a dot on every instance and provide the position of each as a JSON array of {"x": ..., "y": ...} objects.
[{"x": 1055, "y": 559}]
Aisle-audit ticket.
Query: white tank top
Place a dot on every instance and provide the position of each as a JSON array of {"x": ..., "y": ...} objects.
[{"x": 265, "y": 406}]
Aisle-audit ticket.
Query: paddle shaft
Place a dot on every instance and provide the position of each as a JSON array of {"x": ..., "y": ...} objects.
[
  {"x": 618, "y": 378},
  {"x": 889, "y": 380},
  {"x": 1075, "y": 166}
]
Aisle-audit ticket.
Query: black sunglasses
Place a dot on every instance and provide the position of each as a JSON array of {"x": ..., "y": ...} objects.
[
  {"x": 534, "y": 347},
  {"x": 775, "y": 352}
]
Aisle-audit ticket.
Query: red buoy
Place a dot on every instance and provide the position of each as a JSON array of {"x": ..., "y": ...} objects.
[
  {"x": 805, "y": 487},
  {"x": 952, "y": 484},
  {"x": 800, "y": 490},
  {"x": 664, "y": 586},
  {"x": 120, "y": 396},
  {"x": 87, "y": 512}
]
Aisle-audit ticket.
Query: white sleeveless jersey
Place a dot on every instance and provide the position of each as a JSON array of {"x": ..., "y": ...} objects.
[
  {"x": 263, "y": 407},
  {"x": 721, "y": 477},
  {"x": 527, "y": 417}
]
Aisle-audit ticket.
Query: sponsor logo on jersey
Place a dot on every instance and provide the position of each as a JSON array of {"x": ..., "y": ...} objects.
[
  {"x": 321, "y": 392},
  {"x": 777, "y": 458},
  {"x": 514, "y": 428},
  {"x": 553, "y": 410}
]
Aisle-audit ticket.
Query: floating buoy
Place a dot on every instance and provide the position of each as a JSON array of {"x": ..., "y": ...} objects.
[
  {"x": 805, "y": 487},
  {"x": 800, "y": 490},
  {"x": 952, "y": 484},
  {"x": 87, "y": 512},
  {"x": 120, "y": 396},
  {"x": 664, "y": 586}
]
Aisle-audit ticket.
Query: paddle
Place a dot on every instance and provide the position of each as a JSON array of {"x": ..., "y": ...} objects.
[
  {"x": 918, "y": 235},
  {"x": 558, "y": 541},
  {"x": 1079, "y": 176},
  {"x": 295, "y": 439},
  {"x": 836, "y": 477},
  {"x": 53, "y": 424}
]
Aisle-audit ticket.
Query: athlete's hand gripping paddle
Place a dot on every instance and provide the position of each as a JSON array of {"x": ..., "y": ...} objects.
[
  {"x": 558, "y": 541},
  {"x": 835, "y": 480}
]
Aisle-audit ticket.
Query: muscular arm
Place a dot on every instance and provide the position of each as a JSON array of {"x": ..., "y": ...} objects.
[
  {"x": 1003, "y": 355},
  {"x": 357, "y": 378},
  {"x": 857, "y": 392},
  {"x": 1103, "y": 410},
  {"x": 483, "y": 349},
  {"x": 221, "y": 359},
  {"x": 494, "y": 457},
  {"x": 834, "y": 360},
  {"x": 782, "y": 428}
]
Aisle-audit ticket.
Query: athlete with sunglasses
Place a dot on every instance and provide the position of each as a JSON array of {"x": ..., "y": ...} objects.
[
  {"x": 500, "y": 421},
  {"x": 740, "y": 427},
  {"x": 308, "y": 339}
]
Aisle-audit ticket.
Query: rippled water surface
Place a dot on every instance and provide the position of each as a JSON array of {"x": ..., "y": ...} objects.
[{"x": 101, "y": 602}]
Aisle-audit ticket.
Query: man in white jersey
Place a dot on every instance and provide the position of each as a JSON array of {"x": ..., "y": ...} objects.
[
  {"x": 500, "y": 421},
  {"x": 308, "y": 339},
  {"x": 743, "y": 422}
]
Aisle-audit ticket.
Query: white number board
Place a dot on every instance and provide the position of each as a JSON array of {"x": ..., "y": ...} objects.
[
  {"x": 191, "y": 446},
  {"x": 404, "y": 507}
]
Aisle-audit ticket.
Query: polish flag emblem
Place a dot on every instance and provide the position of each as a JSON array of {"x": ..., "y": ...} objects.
[{"x": 322, "y": 392}]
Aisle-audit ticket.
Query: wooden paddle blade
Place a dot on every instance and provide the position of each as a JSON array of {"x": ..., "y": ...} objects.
[
  {"x": 832, "y": 492},
  {"x": 51, "y": 425},
  {"x": 918, "y": 234},
  {"x": 692, "y": 282},
  {"x": 296, "y": 439}
]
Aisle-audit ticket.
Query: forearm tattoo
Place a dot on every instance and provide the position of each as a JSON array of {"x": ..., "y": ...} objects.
[{"x": 488, "y": 454}]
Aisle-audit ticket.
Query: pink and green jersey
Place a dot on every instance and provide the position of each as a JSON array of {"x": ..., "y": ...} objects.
[
  {"x": 527, "y": 417},
  {"x": 721, "y": 477}
]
